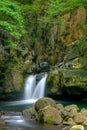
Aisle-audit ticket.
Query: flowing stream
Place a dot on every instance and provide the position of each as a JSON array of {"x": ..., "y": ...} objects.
[{"x": 32, "y": 92}]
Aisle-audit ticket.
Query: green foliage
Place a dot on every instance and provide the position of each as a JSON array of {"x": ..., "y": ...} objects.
[
  {"x": 57, "y": 8},
  {"x": 11, "y": 20},
  {"x": 15, "y": 60}
]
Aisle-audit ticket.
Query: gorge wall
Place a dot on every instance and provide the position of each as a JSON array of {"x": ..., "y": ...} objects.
[{"x": 59, "y": 50}]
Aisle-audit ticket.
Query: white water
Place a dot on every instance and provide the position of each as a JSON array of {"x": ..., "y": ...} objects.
[
  {"x": 40, "y": 89},
  {"x": 33, "y": 91},
  {"x": 29, "y": 87}
]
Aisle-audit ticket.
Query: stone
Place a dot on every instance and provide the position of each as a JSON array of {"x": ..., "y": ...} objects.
[
  {"x": 84, "y": 111},
  {"x": 80, "y": 118},
  {"x": 49, "y": 115},
  {"x": 42, "y": 67},
  {"x": 69, "y": 111},
  {"x": 29, "y": 113},
  {"x": 77, "y": 127},
  {"x": 43, "y": 102},
  {"x": 60, "y": 107}
]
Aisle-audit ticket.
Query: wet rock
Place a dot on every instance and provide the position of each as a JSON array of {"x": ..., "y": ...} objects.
[
  {"x": 70, "y": 107},
  {"x": 42, "y": 67},
  {"x": 80, "y": 118},
  {"x": 69, "y": 122},
  {"x": 43, "y": 102},
  {"x": 74, "y": 81},
  {"x": 69, "y": 111},
  {"x": 53, "y": 83},
  {"x": 77, "y": 127},
  {"x": 30, "y": 113},
  {"x": 60, "y": 107},
  {"x": 84, "y": 111},
  {"x": 49, "y": 115}
]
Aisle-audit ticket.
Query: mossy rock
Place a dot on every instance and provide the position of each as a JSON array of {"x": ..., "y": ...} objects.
[
  {"x": 43, "y": 102},
  {"x": 53, "y": 83},
  {"x": 49, "y": 115},
  {"x": 74, "y": 81}
]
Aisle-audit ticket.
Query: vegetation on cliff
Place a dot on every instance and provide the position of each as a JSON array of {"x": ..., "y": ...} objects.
[
  {"x": 11, "y": 23},
  {"x": 47, "y": 26}
]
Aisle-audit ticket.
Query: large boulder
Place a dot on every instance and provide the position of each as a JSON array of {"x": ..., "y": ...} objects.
[
  {"x": 43, "y": 102},
  {"x": 50, "y": 115}
]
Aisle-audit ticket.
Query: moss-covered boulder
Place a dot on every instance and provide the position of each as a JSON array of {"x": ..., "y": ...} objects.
[
  {"x": 43, "y": 102},
  {"x": 49, "y": 115}
]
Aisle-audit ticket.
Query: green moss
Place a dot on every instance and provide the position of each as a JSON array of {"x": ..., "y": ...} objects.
[{"x": 49, "y": 119}]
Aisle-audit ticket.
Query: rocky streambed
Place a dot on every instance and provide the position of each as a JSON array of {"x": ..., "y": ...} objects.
[{"x": 45, "y": 114}]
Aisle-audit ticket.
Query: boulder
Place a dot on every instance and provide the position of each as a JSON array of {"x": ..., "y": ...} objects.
[
  {"x": 69, "y": 112},
  {"x": 70, "y": 107},
  {"x": 29, "y": 113},
  {"x": 50, "y": 115},
  {"x": 77, "y": 127},
  {"x": 84, "y": 111},
  {"x": 43, "y": 102},
  {"x": 80, "y": 118}
]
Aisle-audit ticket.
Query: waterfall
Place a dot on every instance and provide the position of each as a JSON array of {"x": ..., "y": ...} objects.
[
  {"x": 33, "y": 91},
  {"x": 29, "y": 87}
]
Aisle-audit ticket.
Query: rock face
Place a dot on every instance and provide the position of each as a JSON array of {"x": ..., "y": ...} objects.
[
  {"x": 70, "y": 30},
  {"x": 52, "y": 46},
  {"x": 14, "y": 81},
  {"x": 72, "y": 77}
]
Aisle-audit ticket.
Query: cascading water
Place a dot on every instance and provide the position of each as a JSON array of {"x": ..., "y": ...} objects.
[
  {"x": 40, "y": 88},
  {"x": 33, "y": 91},
  {"x": 29, "y": 87}
]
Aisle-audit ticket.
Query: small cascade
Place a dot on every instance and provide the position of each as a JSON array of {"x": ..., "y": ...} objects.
[
  {"x": 33, "y": 91},
  {"x": 40, "y": 88},
  {"x": 29, "y": 87}
]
